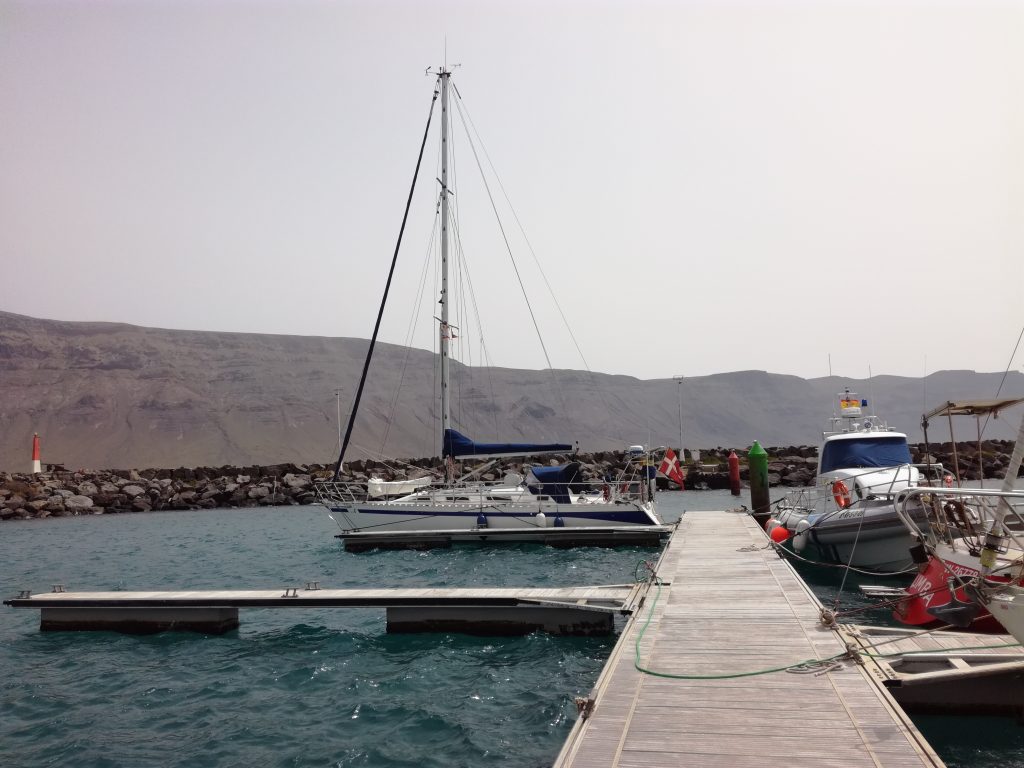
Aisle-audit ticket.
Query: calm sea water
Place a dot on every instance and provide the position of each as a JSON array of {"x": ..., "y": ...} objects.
[{"x": 316, "y": 687}]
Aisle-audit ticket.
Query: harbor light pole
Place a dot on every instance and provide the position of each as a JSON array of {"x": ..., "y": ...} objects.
[{"x": 679, "y": 390}]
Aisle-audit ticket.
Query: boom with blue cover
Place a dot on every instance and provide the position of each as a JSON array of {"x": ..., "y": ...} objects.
[{"x": 458, "y": 445}]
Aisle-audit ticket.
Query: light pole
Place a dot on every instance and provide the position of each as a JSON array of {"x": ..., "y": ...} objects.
[{"x": 679, "y": 390}]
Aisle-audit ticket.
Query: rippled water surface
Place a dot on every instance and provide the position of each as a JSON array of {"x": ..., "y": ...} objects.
[{"x": 313, "y": 687}]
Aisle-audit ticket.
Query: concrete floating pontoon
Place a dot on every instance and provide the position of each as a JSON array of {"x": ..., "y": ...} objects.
[
  {"x": 569, "y": 536},
  {"x": 945, "y": 672},
  {"x": 568, "y": 611}
]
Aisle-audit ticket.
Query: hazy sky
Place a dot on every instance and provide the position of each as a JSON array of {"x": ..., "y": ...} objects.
[{"x": 709, "y": 186}]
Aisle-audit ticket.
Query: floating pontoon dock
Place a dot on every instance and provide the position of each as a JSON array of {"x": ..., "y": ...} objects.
[
  {"x": 568, "y": 611},
  {"x": 945, "y": 672},
  {"x": 729, "y": 605},
  {"x": 568, "y": 536}
]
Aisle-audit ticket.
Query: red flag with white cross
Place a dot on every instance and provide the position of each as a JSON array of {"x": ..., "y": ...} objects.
[{"x": 670, "y": 467}]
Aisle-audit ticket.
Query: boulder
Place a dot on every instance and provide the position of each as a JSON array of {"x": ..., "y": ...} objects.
[
  {"x": 78, "y": 502},
  {"x": 15, "y": 502},
  {"x": 88, "y": 489},
  {"x": 296, "y": 481},
  {"x": 131, "y": 491}
]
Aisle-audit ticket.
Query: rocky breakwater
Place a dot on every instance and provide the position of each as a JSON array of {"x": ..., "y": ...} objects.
[
  {"x": 95, "y": 492},
  {"x": 89, "y": 492}
]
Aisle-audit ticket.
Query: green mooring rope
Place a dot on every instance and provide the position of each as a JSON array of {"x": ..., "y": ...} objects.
[{"x": 809, "y": 663}]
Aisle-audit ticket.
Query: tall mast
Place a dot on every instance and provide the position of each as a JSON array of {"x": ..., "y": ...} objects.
[{"x": 445, "y": 329}]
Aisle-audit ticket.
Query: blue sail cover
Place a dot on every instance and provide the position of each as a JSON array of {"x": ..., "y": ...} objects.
[
  {"x": 889, "y": 451},
  {"x": 457, "y": 444},
  {"x": 556, "y": 482}
]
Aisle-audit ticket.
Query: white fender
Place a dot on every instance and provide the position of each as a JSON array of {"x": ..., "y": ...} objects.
[{"x": 800, "y": 535}]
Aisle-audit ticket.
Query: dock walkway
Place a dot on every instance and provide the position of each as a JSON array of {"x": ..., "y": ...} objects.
[{"x": 730, "y": 606}]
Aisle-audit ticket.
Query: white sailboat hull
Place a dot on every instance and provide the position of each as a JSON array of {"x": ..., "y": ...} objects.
[
  {"x": 1008, "y": 609},
  {"x": 397, "y": 516}
]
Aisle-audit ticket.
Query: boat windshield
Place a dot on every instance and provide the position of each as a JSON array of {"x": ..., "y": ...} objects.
[{"x": 877, "y": 451}]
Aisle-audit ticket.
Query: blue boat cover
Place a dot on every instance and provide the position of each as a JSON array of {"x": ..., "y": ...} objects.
[
  {"x": 865, "y": 452},
  {"x": 457, "y": 444},
  {"x": 556, "y": 482}
]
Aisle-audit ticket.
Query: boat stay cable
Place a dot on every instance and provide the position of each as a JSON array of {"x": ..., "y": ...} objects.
[
  {"x": 387, "y": 288},
  {"x": 462, "y": 106},
  {"x": 504, "y": 235},
  {"x": 1002, "y": 381},
  {"x": 413, "y": 319}
]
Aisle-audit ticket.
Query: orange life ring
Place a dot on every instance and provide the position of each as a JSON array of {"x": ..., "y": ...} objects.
[{"x": 841, "y": 493}]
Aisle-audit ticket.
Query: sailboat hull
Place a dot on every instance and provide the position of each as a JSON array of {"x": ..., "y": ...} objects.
[
  {"x": 452, "y": 517},
  {"x": 930, "y": 590}
]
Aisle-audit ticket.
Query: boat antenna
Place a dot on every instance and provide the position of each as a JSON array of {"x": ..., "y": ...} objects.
[{"x": 387, "y": 287}]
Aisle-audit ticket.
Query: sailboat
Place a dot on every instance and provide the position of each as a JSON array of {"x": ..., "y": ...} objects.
[
  {"x": 541, "y": 496},
  {"x": 971, "y": 546}
]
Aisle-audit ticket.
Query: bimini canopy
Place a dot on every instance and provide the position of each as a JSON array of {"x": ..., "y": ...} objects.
[
  {"x": 555, "y": 482},
  {"x": 458, "y": 446},
  {"x": 972, "y": 407}
]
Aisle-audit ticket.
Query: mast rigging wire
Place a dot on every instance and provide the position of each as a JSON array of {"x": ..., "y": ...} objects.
[
  {"x": 508, "y": 247},
  {"x": 1005, "y": 373},
  {"x": 387, "y": 288},
  {"x": 460, "y": 105}
]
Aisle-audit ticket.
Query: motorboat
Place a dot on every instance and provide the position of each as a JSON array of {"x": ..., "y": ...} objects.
[{"x": 849, "y": 516}]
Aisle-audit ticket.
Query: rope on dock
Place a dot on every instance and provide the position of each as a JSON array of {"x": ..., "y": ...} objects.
[
  {"x": 789, "y": 553},
  {"x": 804, "y": 667}
]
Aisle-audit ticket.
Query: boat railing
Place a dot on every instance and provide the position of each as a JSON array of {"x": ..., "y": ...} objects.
[
  {"x": 622, "y": 489},
  {"x": 963, "y": 517},
  {"x": 814, "y": 500}
]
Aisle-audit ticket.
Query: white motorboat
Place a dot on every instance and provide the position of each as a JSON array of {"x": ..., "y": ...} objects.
[
  {"x": 849, "y": 516},
  {"x": 539, "y": 496}
]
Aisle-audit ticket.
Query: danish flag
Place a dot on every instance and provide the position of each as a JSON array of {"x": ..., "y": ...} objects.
[{"x": 670, "y": 467}]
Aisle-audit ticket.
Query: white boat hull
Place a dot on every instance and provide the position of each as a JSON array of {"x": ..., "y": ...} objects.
[
  {"x": 469, "y": 516},
  {"x": 869, "y": 535},
  {"x": 1008, "y": 609}
]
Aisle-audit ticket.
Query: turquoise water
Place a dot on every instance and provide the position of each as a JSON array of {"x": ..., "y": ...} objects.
[{"x": 314, "y": 687}]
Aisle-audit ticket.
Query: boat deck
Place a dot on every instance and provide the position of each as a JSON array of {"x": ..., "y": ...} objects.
[{"x": 729, "y": 605}]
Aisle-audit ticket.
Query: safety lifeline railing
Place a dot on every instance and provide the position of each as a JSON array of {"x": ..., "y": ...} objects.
[
  {"x": 628, "y": 489},
  {"x": 963, "y": 517}
]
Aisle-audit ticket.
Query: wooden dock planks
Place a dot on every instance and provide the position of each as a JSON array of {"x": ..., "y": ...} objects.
[{"x": 734, "y": 606}]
